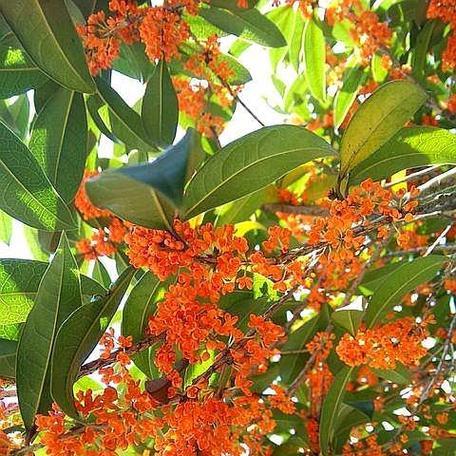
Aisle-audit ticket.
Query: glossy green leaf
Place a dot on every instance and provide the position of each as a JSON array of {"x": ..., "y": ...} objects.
[
  {"x": 77, "y": 338},
  {"x": 59, "y": 139},
  {"x": 400, "y": 282},
  {"x": 19, "y": 282},
  {"x": 46, "y": 32},
  {"x": 17, "y": 72},
  {"x": 100, "y": 274},
  {"x": 401, "y": 375},
  {"x": 140, "y": 305},
  {"x": 16, "y": 115},
  {"x": 331, "y": 407},
  {"x": 125, "y": 122},
  {"x": 160, "y": 112},
  {"x": 8, "y": 349},
  {"x": 145, "y": 194},
  {"x": 251, "y": 163},
  {"x": 348, "y": 319},
  {"x": 354, "y": 78},
  {"x": 6, "y": 227},
  {"x": 10, "y": 332},
  {"x": 27, "y": 194},
  {"x": 296, "y": 41},
  {"x": 59, "y": 294},
  {"x": 409, "y": 148},
  {"x": 250, "y": 25},
  {"x": 422, "y": 46},
  {"x": 377, "y": 120},
  {"x": 315, "y": 59}
]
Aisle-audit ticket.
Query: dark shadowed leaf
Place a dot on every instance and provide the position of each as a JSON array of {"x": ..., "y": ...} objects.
[
  {"x": 27, "y": 193},
  {"x": 348, "y": 319},
  {"x": 159, "y": 112},
  {"x": 17, "y": 72},
  {"x": 401, "y": 281},
  {"x": 146, "y": 194},
  {"x": 331, "y": 407},
  {"x": 46, "y": 32},
  {"x": 59, "y": 294},
  {"x": 59, "y": 139},
  {"x": 8, "y": 350},
  {"x": 140, "y": 305},
  {"x": 76, "y": 339}
]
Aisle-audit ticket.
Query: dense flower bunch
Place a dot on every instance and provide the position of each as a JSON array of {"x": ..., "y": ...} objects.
[
  {"x": 385, "y": 345},
  {"x": 445, "y": 10},
  {"x": 367, "y": 31}
]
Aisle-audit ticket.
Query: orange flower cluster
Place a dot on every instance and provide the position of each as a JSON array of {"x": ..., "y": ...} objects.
[
  {"x": 368, "y": 446},
  {"x": 162, "y": 31},
  {"x": 319, "y": 378},
  {"x": 102, "y": 36},
  {"x": 445, "y": 10},
  {"x": 212, "y": 427},
  {"x": 195, "y": 98},
  {"x": 104, "y": 241},
  {"x": 208, "y": 261},
  {"x": 385, "y": 345},
  {"x": 368, "y": 32},
  {"x": 337, "y": 230},
  {"x": 160, "y": 28}
]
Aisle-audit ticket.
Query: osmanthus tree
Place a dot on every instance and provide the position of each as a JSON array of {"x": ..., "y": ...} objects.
[{"x": 290, "y": 292}]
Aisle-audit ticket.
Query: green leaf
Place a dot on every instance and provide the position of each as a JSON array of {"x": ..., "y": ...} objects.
[
  {"x": 17, "y": 72},
  {"x": 377, "y": 120},
  {"x": 46, "y": 32},
  {"x": 400, "y": 282},
  {"x": 354, "y": 78},
  {"x": 8, "y": 350},
  {"x": 27, "y": 193},
  {"x": 401, "y": 375},
  {"x": 159, "y": 112},
  {"x": 125, "y": 122},
  {"x": 140, "y": 305},
  {"x": 59, "y": 139},
  {"x": 100, "y": 274},
  {"x": 19, "y": 282},
  {"x": 296, "y": 40},
  {"x": 146, "y": 194},
  {"x": 409, "y": 148},
  {"x": 6, "y": 228},
  {"x": 250, "y": 25},
  {"x": 16, "y": 115},
  {"x": 77, "y": 338},
  {"x": 242, "y": 209},
  {"x": 315, "y": 59},
  {"x": 331, "y": 407},
  {"x": 59, "y": 294},
  {"x": 348, "y": 319},
  {"x": 10, "y": 332},
  {"x": 251, "y": 163},
  {"x": 422, "y": 46},
  {"x": 291, "y": 365}
]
